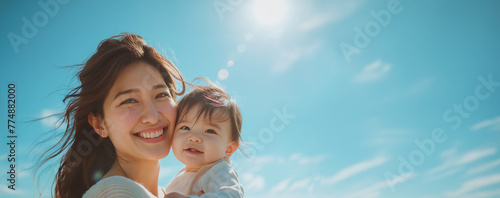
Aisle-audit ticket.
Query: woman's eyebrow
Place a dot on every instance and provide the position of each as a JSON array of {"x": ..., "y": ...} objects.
[
  {"x": 158, "y": 86},
  {"x": 125, "y": 92}
]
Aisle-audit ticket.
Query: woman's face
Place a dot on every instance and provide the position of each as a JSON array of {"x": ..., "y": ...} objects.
[{"x": 139, "y": 114}]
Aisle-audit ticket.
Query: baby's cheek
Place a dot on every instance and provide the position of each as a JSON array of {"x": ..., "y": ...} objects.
[
  {"x": 218, "y": 149},
  {"x": 176, "y": 142}
]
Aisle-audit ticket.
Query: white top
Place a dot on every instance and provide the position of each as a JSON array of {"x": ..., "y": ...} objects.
[
  {"x": 219, "y": 181},
  {"x": 118, "y": 186}
]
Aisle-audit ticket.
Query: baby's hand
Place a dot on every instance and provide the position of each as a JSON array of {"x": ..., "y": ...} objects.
[
  {"x": 201, "y": 193},
  {"x": 174, "y": 195}
]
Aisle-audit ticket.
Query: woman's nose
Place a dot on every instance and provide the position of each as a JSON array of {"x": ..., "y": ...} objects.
[
  {"x": 194, "y": 138},
  {"x": 150, "y": 114}
]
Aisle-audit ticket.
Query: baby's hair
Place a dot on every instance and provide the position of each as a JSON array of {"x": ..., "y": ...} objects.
[{"x": 213, "y": 103}]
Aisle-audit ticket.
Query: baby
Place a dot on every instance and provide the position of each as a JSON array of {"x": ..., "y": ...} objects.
[{"x": 207, "y": 133}]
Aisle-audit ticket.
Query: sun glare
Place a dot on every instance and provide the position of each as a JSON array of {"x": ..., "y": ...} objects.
[{"x": 270, "y": 12}]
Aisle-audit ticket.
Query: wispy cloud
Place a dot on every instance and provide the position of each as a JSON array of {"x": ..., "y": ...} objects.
[
  {"x": 354, "y": 170},
  {"x": 495, "y": 122},
  {"x": 475, "y": 184},
  {"x": 49, "y": 120},
  {"x": 484, "y": 167},
  {"x": 389, "y": 137},
  {"x": 484, "y": 194},
  {"x": 253, "y": 182},
  {"x": 454, "y": 164},
  {"x": 301, "y": 184},
  {"x": 264, "y": 159},
  {"x": 287, "y": 55},
  {"x": 372, "y": 72},
  {"x": 258, "y": 163},
  {"x": 449, "y": 152},
  {"x": 337, "y": 11},
  {"x": 373, "y": 191},
  {"x": 446, "y": 165},
  {"x": 280, "y": 187},
  {"x": 307, "y": 159},
  {"x": 8, "y": 191},
  {"x": 444, "y": 174},
  {"x": 420, "y": 86},
  {"x": 476, "y": 155}
]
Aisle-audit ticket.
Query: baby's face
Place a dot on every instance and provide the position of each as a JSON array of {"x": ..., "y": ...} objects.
[{"x": 198, "y": 143}]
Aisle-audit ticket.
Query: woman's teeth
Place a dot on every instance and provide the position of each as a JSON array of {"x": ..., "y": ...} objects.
[{"x": 151, "y": 134}]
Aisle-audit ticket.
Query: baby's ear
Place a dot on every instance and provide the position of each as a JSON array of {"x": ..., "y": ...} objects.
[
  {"x": 96, "y": 123},
  {"x": 231, "y": 148}
]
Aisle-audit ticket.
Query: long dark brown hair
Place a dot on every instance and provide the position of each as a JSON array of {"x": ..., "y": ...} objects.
[{"x": 85, "y": 155}]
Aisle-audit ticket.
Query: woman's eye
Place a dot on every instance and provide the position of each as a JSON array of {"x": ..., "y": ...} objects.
[
  {"x": 128, "y": 101},
  {"x": 210, "y": 131},
  {"x": 162, "y": 95},
  {"x": 184, "y": 128}
]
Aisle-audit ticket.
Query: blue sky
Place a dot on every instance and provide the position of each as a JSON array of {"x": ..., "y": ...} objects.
[{"x": 338, "y": 99}]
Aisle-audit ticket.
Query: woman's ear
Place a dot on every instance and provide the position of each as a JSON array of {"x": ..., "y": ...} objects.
[
  {"x": 231, "y": 148},
  {"x": 97, "y": 125}
]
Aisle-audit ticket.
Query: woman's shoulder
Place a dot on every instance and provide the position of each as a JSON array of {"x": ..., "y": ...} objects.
[{"x": 117, "y": 186}]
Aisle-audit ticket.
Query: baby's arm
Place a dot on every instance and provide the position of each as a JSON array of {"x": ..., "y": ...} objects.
[{"x": 221, "y": 181}]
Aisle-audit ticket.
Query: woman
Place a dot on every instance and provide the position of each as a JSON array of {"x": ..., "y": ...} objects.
[{"x": 120, "y": 122}]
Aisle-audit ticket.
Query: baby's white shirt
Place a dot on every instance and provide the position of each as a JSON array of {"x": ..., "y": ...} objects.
[{"x": 219, "y": 181}]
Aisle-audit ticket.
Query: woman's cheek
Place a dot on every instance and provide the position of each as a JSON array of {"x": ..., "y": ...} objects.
[
  {"x": 130, "y": 115},
  {"x": 169, "y": 110},
  {"x": 123, "y": 118}
]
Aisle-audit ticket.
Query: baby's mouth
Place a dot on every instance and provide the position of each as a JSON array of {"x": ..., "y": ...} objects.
[{"x": 193, "y": 150}]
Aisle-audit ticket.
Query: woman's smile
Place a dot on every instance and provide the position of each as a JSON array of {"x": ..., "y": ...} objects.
[{"x": 152, "y": 135}]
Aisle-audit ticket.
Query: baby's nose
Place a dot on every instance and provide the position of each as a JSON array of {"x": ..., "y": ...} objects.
[{"x": 194, "y": 138}]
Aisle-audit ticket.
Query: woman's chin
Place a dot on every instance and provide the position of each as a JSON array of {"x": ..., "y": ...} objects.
[{"x": 160, "y": 154}]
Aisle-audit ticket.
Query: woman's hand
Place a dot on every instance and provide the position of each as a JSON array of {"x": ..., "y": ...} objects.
[{"x": 174, "y": 195}]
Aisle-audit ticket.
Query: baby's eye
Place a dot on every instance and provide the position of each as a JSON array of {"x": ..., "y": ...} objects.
[
  {"x": 128, "y": 101},
  {"x": 162, "y": 95},
  {"x": 210, "y": 131},
  {"x": 184, "y": 128}
]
